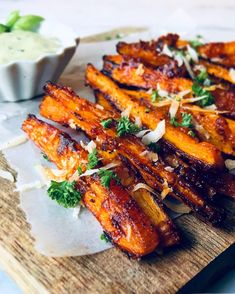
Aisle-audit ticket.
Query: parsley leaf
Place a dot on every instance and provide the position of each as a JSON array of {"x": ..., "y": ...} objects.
[
  {"x": 125, "y": 126},
  {"x": 196, "y": 42},
  {"x": 106, "y": 123},
  {"x": 65, "y": 193},
  {"x": 104, "y": 237},
  {"x": 92, "y": 159},
  {"x": 199, "y": 91},
  {"x": 45, "y": 156},
  {"x": 106, "y": 176},
  {"x": 155, "y": 96},
  {"x": 79, "y": 169},
  {"x": 186, "y": 121},
  {"x": 191, "y": 133},
  {"x": 202, "y": 78}
]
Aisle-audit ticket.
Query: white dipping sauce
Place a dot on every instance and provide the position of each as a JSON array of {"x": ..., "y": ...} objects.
[{"x": 24, "y": 45}]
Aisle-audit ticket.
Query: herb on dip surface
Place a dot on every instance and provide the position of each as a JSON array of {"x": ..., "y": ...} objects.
[{"x": 24, "y": 45}]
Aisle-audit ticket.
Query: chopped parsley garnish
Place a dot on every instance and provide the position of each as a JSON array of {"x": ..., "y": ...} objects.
[
  {"x": 79, "y": 169},
  {"x": 125, "y": 126},
  {"x": 191, "y": 133},
  {"x": 196, "y": 42},
  {"x": 65, "y": 193},
  {"x": 106, "y": 176},
  {"x": 45, "y": 156},
  {"x": 106, "y": 123},
  {"x": 155, "y": 147},
  {"x": 104, "y": 237},
  {"x": 199, "y": 91},
  {"x": 202, "y": 78},
  {"x": 92, "y": 159},
  {"x": 186, "y": 121},
  {"x": 155, "y": 96}
]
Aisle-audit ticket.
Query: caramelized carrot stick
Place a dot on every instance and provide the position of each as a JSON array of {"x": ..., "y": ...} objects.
[
  {"x": 130, "y": 148},
  {"x": 201, "y": 153},
  {"x": 120, "y": 216}
]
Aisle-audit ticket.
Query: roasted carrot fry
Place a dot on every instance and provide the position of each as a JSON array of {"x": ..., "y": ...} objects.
[
  {"x": 57, "y": 112},
  {"x": 149, "y": 203},
  {"x": 224, "y": 60},
  {"x": 217, "y": 49},
  {"x": 131, "y": 149},
  {"x": 203, "y": 153},
  {"x": 206, "y": 184},
  {"x": 215, "y": 129},
  {"x": 218, "y": 52},
  {"x": 225, "y": 100},
  {"x": 218, "y": 71},
  {"x": 123, "y": 221},
  {"x": 100, "y": 99},
  {"x": 148, "y": 56},
  {"x": 143, "y": 77},
  {"x": 128, "y": 75}
]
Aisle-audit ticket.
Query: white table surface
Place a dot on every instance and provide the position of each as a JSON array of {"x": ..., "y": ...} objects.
[{"x": 89, "y": 17}]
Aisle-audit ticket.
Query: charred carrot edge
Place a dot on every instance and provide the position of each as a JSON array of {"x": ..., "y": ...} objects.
[
  {"x": 123, "y": 221},
  {"x": 153, "y": 175}
]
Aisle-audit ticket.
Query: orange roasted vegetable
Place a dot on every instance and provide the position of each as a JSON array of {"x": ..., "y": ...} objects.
[
  {"x": 120, "y": 216},
  {"x": 218, "y": 71},
  {"x": 143, "y": 77},
  {"x": 136, "y": 74},
  {"x": 66, "y": 106},
  {"x": 214, "y": 128},
  {"x": 208, "y": 184},
  {"x": 199, "y": 153}
]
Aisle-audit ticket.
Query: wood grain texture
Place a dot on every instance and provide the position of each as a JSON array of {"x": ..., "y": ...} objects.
[{"x": 110, "y": 271}]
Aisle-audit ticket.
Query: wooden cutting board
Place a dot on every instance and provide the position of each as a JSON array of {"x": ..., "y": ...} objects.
[{"x": 204, "y": 252}]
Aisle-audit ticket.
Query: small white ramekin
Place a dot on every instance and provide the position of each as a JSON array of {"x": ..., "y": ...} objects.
[{"x": 23, "y": 80}]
